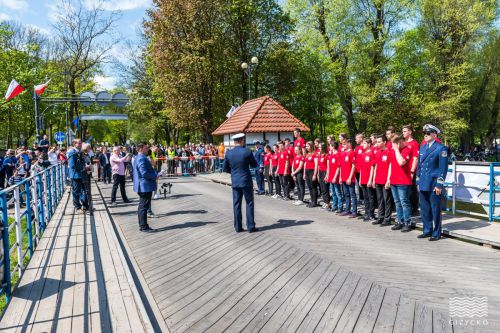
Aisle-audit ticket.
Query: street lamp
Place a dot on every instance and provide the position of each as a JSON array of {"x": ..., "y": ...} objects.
[{"x": 247, "y": 68}]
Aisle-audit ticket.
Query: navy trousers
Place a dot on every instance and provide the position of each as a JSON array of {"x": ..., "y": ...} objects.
[
  {"x": 259, "y": 177},
  {"x": 238, "y": 194},
  {"x": 79, "y": 194},
  {"x": 430, "y": 211}
]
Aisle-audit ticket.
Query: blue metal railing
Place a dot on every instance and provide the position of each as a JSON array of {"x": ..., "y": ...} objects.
[
  {"x": 494, "y": 188},
  {"x": 25, "y": 210}
]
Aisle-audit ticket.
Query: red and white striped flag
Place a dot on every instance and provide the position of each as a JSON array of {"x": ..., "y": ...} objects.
[
  {"x": 14, "y": 89},
  {"x": 39, "y": 89}
]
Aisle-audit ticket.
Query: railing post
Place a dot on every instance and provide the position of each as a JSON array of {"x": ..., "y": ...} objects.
[
  {"x": 491, "y": 196},
  {"x": 41, "y": 202},
  {"x": 49, "y": 194},
  {"x": 35, "y": 206},
  {"x": 19, "y": 233},
  {"x": 54, "y": 190},
  {"x": 6, "y": 281},
  {"x": 28, "y": 217},
  {"x": 454, "y": 188}
]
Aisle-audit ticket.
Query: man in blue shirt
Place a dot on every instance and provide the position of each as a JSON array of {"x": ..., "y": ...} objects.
[
  {"x": 144, "y": 177},
  {"x": 76, "y": 168},
  {"x": 9, "y": 164},
  {"x": 2, "y": 174},
  {"x": 238, "y": 162}
]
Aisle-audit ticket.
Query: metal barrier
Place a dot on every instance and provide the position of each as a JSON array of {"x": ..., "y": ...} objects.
[
  {"x": 480, "y": 187},
  {"x": 25, "y": 210},
  {"x": 189, "y": 166}
]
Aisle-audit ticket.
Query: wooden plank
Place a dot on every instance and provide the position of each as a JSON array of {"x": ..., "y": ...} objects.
[
  {"x": 282, "y": 276},
  {"x": 294, "y": 320},
  {"x": 405, "y": 315},
  {"x": 369, "y": 314},
  {"x": 232, "y": 282},
  {"x": 310, "y": 322},
  {"x": 257, "y": 281},
  {"x": 298, "y": 297},
  {"x": 441, "y": 322},
  {"x": 353, "y": 309},
  {"x": 338, "y": 304},
  {"x": 273, "y": 297},
  {"x": 388, "y": 310},
  {"x": 423, "y": 319}
]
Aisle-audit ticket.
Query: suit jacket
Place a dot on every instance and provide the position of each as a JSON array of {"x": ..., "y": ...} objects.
[
  {"x": 238, "y": 162},
  {"x": 259, "y": 156},
  {"x": 76, "y": 167},
  {"x": 432, "y": 166},
  {"x": 144, "y": 175},
  {"x": 102, "y": 159}
]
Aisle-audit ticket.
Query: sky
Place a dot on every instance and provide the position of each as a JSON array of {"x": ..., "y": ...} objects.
[{"x": 40, "y": 14}]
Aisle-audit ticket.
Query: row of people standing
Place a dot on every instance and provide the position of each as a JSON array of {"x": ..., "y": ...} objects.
[{"x": 386, "y": 169}]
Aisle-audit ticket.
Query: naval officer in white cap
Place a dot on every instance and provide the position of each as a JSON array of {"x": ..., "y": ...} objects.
[{"x": 238, "y": 162}]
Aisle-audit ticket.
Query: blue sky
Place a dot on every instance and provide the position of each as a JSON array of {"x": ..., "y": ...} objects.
[{"x": 40, "y": 13}]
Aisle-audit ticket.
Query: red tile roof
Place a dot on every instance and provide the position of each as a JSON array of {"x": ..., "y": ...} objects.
[{"x": 259, "y": 115}]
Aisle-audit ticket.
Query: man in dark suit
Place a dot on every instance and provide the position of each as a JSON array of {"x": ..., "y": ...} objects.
[
  {"x": 144, "y": 184},
  {"x": 105, "y": 165},
  {"x": 431, "y": 173},
  {"x": 238, "y": 162},
  {"x": 259, "y": 171}
]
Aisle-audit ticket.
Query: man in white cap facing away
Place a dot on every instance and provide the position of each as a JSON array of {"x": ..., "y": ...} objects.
[
  {"x": 238, "y": 162},
  {"x": 431, "y": 173}
]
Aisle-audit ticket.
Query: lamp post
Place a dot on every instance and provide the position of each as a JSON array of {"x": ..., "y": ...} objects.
[{"x": 248, "y": 71}]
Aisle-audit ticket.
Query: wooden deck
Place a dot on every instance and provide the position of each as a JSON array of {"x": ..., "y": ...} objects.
[
  {"x": 304, "y": 271},
  {"x": 77, "y": 280}
]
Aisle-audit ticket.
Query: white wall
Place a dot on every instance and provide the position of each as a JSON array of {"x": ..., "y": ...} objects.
[{"x": 272, "y": 138}]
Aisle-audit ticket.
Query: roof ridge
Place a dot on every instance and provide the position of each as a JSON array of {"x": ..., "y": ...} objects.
[{"x": 264, "y": 99}]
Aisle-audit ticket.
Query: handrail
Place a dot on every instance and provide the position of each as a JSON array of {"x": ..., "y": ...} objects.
[{"x": 25, "y": 210}]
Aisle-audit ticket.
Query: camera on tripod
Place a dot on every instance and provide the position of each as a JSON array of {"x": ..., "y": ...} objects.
[{"x": 166, "y": 188}]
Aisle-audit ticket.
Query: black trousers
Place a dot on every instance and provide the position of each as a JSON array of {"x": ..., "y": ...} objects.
[
  {"x": 269, "y": 180},
  {"x": 144, "y": 205},
  {"x": 385, "y": 203},
  {"x": 369, "y": 195},
  {"x": 2, "y": 179},
  {"x": 79, "y": 194},
  {"x": 301, "y": 184},
  {"x": 414, "y": 196},
  {"x": 285, "y": 181},
  {"x": 312, "y": 185},
  {"x": 106, "y": 173},
  {"x": 118, "y": 180},
  {"x": 324, "y": 187},
  {"x": 277, "y": 181},
  {"x": 360, "y": 189}
]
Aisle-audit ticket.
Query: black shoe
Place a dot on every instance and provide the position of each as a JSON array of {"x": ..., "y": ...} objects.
[
  {"x": 406, "y": 228},
  {"x": 398, "y": 226},
  {"x": 433, "y": 239},
  {"x": 127, "y": 201},
  {"x": 147, "y": 228},
  {"x": 253, "y": 230},
  {"x": 385, "y": 223},
  {"x": 377, "y": 222},
  {"x": 366, "y": 219},
  {"x": 241, "y": 230},
  {"x": 423, "y": 236}
]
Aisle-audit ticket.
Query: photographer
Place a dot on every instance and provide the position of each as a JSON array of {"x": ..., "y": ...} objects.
[
  {"x": 38, "y": 163},
  {"x": 77, "y": 175},
  {"x": 118, "y": 171}
]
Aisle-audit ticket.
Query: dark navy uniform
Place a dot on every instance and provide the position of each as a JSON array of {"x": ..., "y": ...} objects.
[
  {"x": 238, "y": 162},
  {"x": 259, "y": 171},
  {"x": 432, "y": 169}
]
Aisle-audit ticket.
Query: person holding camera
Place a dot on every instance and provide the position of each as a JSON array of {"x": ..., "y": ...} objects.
[
  {"x": 118, "y": 171},
  {"x": 77, "y": 175}
]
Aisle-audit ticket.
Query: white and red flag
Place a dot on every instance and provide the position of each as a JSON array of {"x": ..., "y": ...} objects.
[
  {"x": 14, "y": 89},
  {"x": 39, "y": 89}
]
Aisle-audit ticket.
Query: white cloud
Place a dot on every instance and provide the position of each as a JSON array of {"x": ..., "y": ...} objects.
[
  {"x": 105, "y": 82},
  {"x": 20, "y": 5},
  {"x": 42, "y": 30},
  {"x": 4, "y": 17},
  {"x": 118, "y": 4}
]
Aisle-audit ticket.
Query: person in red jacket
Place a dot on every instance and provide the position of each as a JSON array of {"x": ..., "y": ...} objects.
[
  {"x": 311, "y": 176},
  {"x": 399, "y": 180},
  {"x": 322, "y": 169},
  {"x": 267, "y": 169},
  {"x": 366, "y": 179},
  {"x": 284, "y": 165},
  {"x": 348, "y": 180},
  {"x": 298, "y": 174},
  {"x": 415, "y": 151},
  {"x": 332, "y": 175},
  {"x": 274, "y": 171},
  {"x": 358, "y": 151},
  {"x": 384, "y": 195}
]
